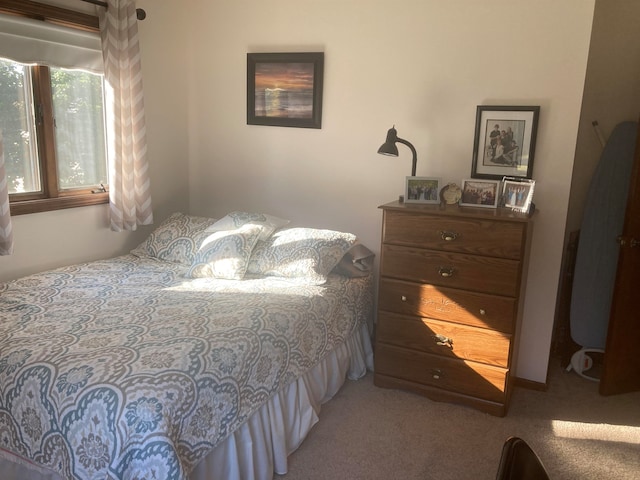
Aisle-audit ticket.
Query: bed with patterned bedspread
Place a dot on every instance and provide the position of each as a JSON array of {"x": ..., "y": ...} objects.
[{"x": 131, "y": 368}]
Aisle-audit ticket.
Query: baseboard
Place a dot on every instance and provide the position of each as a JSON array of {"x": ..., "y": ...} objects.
[{"x": 530, "y": 384}]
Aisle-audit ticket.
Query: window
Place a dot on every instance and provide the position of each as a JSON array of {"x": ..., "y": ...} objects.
[{"x": 53, "y": 123}]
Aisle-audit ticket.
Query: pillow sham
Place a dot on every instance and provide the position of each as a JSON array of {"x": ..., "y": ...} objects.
[
  {"x": 305, "y": 254},
  {"x": 357, "y": 262},
  {"x": 176, "y": 240},
  {"x": 235, "y": 220},
  {"x": 226, "y": 254}
]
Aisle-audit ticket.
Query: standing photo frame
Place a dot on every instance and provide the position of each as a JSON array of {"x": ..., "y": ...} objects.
[
  {"x": 504, "y": 142},
  {"x": 480, "y": 193},
  {"x": 422, "y": 190},
  {"x": 517, "y": 194},
  {"x": 285, "y": 89}
]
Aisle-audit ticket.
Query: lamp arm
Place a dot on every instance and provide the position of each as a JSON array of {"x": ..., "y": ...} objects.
[{"x": 415, "y": 155}]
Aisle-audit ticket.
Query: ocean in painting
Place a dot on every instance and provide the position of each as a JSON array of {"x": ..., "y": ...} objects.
[{"x": 281, "y": 103}]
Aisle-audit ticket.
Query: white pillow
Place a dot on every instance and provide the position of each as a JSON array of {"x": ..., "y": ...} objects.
[
  {"x": 305, "y": 254},
  {"x": 237, "y": 219},
  {"x": 177, "y": 239},
  {"x": 226, "y": 254}
]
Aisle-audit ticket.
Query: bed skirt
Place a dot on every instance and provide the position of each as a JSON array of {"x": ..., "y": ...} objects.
[{"x": 260, "y": 447}]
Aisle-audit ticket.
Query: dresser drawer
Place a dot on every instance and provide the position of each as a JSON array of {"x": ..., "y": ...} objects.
[
  {"x": 465, "y": 377},
  {"x": 444, "y": 338},
  {"x": 459, "y": 234},
  {"x": 459, "y": 306},
  {"x": 470, "y": 272}
]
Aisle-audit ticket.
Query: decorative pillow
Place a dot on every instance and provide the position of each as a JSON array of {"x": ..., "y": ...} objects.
[
  {"x": 357, "y": 262},
  {"x": 305, "y": 254},
  {"x": 177, "y": 239},
  {"x": 226, "y": 254},
  {"x": 236, "y": 219}
]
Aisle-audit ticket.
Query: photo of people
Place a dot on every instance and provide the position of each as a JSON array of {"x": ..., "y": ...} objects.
[
  {"x": 479, "y": 193},
  {"x": 503, "y": 142},
  {"x": 422, "y": 190},
  {"x": 517, "y": 195}
]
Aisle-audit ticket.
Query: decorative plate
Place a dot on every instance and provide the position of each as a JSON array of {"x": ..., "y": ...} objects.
[{"x": 451, "y": 194}]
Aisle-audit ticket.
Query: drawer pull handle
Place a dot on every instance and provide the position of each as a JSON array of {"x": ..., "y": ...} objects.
[
  {"x": 483, "y": 311},
  {"x": 448, "y": 236},
  {"x": 445, "y": 271},
  {"x": 437, "y": 374},
  {"x": 443, "y": 341},
  {"x": 403, "y": 298}
]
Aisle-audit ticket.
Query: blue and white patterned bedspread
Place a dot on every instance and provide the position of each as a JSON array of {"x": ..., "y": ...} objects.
[{"x": 125, "y": 369}]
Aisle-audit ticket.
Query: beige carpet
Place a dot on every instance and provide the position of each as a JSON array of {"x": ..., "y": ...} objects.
[{"x": 370, "y": 433}]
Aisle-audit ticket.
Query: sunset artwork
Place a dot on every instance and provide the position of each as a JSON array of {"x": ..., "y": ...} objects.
[{"x": 284, "y": 90}]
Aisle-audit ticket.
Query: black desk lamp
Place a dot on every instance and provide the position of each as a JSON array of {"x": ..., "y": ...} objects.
[{"x": 389, "y": 147}]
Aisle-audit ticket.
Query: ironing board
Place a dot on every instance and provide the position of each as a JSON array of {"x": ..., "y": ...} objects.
[{"x": 597, "y": 254}]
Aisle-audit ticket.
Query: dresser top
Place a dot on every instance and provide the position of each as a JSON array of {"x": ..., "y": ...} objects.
[{"x": 505, "y": 214}]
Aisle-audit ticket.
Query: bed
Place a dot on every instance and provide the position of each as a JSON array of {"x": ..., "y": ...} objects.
[{"x": 205, "y": 353}]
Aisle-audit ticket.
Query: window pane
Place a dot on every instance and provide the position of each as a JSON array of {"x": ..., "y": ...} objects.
[
  {"x": 78, "y": 108},
  {"x": 18, "y": 128}
]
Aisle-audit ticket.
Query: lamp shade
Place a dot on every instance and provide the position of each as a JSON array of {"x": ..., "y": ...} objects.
[{"x": 389, "y": 148}]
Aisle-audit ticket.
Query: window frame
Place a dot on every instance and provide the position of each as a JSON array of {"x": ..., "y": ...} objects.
[{"x": 50, "y": 197}]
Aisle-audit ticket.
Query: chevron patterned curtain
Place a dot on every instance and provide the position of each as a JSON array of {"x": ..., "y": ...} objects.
[
  {"x": 129, "y": 189},
  {"x": 6, "y": 233}
]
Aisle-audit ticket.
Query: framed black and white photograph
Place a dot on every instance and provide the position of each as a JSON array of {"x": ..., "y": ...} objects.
[
  {"x": 422, "y": 190},
  {"x": 517, "y": 194},
  {"x": 480, "y": 193},
  {"x": 285, "y": 89},
  {"x": 504, "y": 143}
]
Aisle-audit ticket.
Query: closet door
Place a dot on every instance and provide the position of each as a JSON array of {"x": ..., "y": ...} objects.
[{"x": 621, "y": 368}]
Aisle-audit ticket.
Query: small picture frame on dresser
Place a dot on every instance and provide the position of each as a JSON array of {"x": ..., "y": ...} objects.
[
  {"x": 422, "y": 190},
  {"x": 517, "y": 193},
  {"x": 480, "y": 193}
]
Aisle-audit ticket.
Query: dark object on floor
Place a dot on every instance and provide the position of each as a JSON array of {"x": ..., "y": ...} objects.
[{"x": 520, "y": 462}]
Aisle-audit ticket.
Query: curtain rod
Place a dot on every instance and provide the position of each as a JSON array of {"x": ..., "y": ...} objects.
[{"x": 140, "y": 13}]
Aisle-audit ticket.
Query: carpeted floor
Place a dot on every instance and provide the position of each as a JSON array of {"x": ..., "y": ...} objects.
[{"x": 370, "y": 433}]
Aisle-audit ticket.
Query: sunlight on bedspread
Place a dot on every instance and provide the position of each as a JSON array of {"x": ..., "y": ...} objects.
[{"x": 122, "y": 367}]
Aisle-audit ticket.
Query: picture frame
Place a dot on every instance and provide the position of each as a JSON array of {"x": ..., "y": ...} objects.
[
  {"x": 422, "y": 190},
  {"x": 517, "y": 193},
  {"x": 480, "y": 193},
  {"x": 504, "y": 142},
  {"x": 285, "y": 89}
]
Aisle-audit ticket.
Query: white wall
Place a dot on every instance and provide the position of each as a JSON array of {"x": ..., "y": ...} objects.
[
  {"x": 421, "y": 65},
  {"x": 51, "y": 239},
  {"x": 611, "y": 91}
]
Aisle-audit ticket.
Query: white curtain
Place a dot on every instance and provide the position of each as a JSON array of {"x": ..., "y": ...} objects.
[
  {"x": 129, "y": 189},
  {"x": 6, "y": 232}
]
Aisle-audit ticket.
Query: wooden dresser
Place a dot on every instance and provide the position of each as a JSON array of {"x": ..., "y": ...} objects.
[{"x": 450, "y": 295}]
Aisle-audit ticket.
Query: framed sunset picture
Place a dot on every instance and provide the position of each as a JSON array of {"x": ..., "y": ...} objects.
[{"x": 285, "y": 89}]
